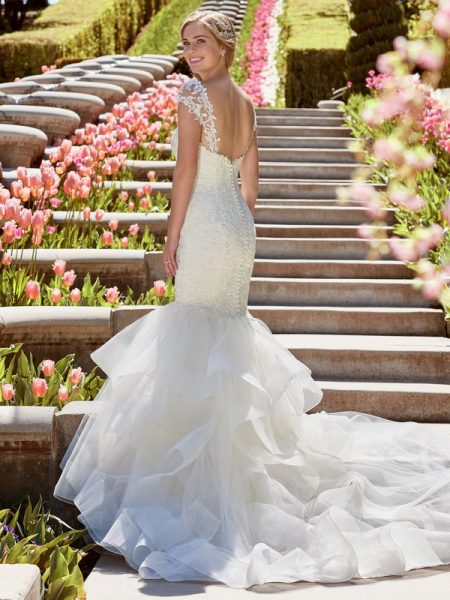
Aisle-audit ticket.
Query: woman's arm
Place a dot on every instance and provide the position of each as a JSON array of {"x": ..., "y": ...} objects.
[
  {"x": 184, "y": 174},
  {"x": 249, "y": 173}
]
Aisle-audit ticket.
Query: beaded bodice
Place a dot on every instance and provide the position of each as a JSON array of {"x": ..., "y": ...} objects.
[{"x": 217, "y": 242}]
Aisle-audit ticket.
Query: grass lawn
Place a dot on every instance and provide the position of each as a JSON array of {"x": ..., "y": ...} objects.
[
  {"x": 161, "y": 36},
  {"x": 316, "y": 24}
]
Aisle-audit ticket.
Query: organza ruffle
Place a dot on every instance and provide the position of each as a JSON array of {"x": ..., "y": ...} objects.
[{"x": 198, "y": 462}]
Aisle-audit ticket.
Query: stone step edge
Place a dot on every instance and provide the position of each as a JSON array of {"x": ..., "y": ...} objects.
[
  {"x": 46, "y": 428},
  {"x": 104, "y": 322}
]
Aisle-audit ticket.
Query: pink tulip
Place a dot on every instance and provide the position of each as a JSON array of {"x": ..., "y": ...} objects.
[
  {"x": 131, "y": 205},
  {"x": 6, "y": 259},
  {"x": 159, "y": 287},
  {"x": 107, "y": 238},
  {"x": 37, "y": 219},
  {"x": 113, "y": 224},
  {"x": 86, "y": 213},
  {"x": 99, "y": 214},
  {"x": 69, "y": 277},
  {"x": 63, "y": 393},
  {"x": 39, "y": 387},
  {"x": 55, "y": 295},
  {"x": 32, "y": 289},
  {"x": 59, "y": 266},
  {"x": 48, "y": 367},
  {"x": 144, "y": 203},
  {"x": 133, "y": 229},
  {"x": 7, "y": 392},
  {"x": 112, "y": 294},
  {"x": 76, "y": 375},
  {"x": 75, "y": 295},
  {"x": 124, "y": 242}
]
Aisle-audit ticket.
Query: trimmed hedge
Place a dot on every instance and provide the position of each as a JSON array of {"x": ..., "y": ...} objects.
[
  {"x": 375, "y": 23},
  {"x": 74, "y": 28},
  {"x": 318, "y": 32}
]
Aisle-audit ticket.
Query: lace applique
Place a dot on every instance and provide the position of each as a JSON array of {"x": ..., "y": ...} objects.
[{"x": 193, "y": 94}]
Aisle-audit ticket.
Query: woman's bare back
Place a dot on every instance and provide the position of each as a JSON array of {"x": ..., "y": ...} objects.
[{"x": 235, "y": 117}]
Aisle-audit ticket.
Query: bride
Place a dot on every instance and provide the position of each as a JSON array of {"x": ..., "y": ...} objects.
[{"x": 199, "y": 460}]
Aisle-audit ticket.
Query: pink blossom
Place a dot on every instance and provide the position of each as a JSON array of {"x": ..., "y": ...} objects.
[
  {"x": 6, "y": 259},
  {"x": 124, "y": 242},
  {"x": 144, "y": 203},
  {"x": 112, "y": 294},
  {"x": 86, "y": 213},
  {"x": 39, "y": 387},
  {"x": 133, "y": 229},
  {"x": 63, "y": 393},
  {"x": 32, "y": 289},
  {"x": 7, "y": 392},
  {"x": 55, "y": 295},
  {"x": 76, "y": 375},
  {"x": 113, "y": 224},
  {"x": 159, "y": 287},
  {"x": 69, "y": 277},
  {"x": 59, "y": 266},
  {"x": 75, "y": 295},
  {"x": 99, "y": 214},
  {"x": 48, "y": 367},
  {"x": 107, "y": 238}
]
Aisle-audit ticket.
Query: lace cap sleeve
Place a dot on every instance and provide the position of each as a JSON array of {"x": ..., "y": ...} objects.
[{"x": 194, "y": 95}]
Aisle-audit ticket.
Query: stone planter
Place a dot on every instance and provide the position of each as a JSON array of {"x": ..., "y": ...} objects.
[{"x": 21, "y": 145}]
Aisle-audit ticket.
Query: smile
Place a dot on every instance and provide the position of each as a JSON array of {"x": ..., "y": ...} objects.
[{"x": 196, "y": 60}]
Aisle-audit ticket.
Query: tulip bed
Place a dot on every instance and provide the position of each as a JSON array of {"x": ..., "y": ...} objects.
[{"x": 75, "y": 179}]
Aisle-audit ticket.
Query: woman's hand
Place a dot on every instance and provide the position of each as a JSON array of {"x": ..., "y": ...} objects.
[{"x": 168, "y": 256}]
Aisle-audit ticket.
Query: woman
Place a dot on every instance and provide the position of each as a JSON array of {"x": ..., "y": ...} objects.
[{"x": 199, "y": 460}]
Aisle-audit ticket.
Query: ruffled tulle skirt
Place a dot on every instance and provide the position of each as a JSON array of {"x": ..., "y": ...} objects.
[{"x": 198, "y": 462}]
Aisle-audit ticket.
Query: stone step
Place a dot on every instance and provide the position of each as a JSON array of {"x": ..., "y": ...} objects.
[
  {"x": 157, "y": 224},
  {"x": 132, "y": 265},
  {"x": 113, "y": 579},
  {"x": 315, "y": 268},
  {"x": 307, "y": 141},
  {"x": 350, "y": 248},
  {"x": 355, "y": 320},
  {"x": 382, "y": 358},
  {"x": 319, "y": 215},
  {"x": 57, "y": 330},
  {"x": 299, "y": 121},
  {"x": 297, "y": 112},
  {"x": 336, "y": 292},
  {"x": 399, "y": 401},
  {"x": 306, "y": 202},
  {"x": 322, "y": 230},
  {"x": 303, "y": 131},
  {"x": 291, "y": 170},
  {"x": 307, "y": 155},
  {"x": 267, "y": 188}
]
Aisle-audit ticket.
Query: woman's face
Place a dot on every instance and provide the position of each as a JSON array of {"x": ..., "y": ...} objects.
[{"x": 200, "y": 48}]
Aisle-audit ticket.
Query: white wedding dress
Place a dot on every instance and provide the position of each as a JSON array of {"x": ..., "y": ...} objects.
[{"x": 199, "y": 460}]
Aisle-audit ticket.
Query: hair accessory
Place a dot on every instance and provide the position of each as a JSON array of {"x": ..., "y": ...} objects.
[{"x": 227, "y": 32}]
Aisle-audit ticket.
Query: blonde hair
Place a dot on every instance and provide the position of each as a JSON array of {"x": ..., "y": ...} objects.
[{"x": 217, "y": 23}]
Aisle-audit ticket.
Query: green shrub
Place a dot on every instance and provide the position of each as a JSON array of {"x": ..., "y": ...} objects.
[
  {"x": 74, "y": 28},
  {"x": 33, "y": 535},
  {"x": 317, "y": 36}
]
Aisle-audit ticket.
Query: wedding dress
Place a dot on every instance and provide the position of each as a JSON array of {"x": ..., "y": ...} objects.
[{"x": 199, "y": 460}]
